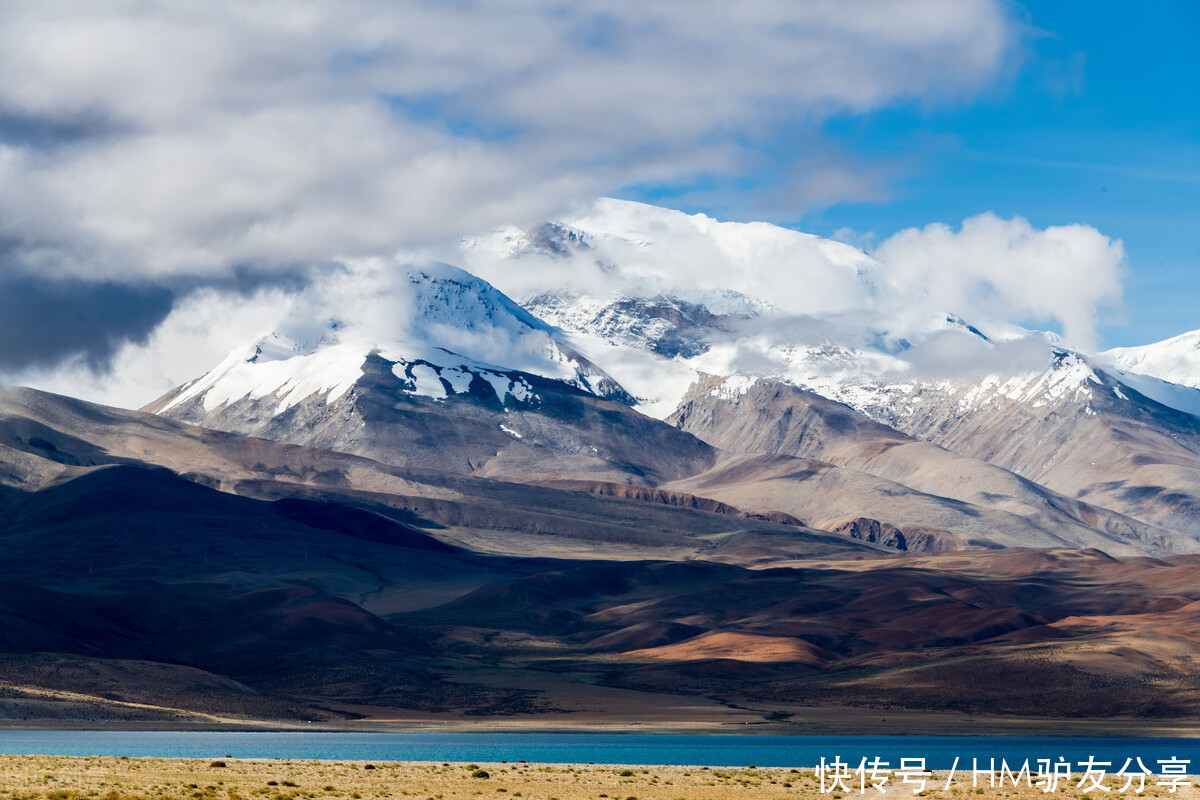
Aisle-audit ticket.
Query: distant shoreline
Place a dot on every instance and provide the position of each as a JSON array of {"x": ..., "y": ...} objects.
[{"x": 819, "y": 721}]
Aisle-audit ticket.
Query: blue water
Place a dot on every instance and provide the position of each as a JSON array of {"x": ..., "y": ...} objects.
[{"x": 764, "y": 751}]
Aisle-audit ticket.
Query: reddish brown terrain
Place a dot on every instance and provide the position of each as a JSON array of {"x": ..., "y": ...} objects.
[{"x": 159, "y": 571}]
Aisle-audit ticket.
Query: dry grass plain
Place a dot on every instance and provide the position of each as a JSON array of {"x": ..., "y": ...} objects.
[{"x": 105, "y": 778}]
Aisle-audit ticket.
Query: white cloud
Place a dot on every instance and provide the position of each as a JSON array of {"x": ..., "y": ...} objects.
[
  {"x": 190, "y": 137},
  {"x": 1006, "y": 269},
  {"x": 642, "y": 250},
  {"x": 990, "y": 271}
]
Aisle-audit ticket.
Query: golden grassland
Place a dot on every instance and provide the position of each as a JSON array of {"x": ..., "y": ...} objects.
[{"x": 106, "y": 778}]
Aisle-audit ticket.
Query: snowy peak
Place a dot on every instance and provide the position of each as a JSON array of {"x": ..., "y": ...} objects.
[
  {"x": 1068, "y": 379},
  {"x": 446, "y": 332},
  {"x": 1166, "y": 371},
  {"x": 621, "y": 248},
  {"x": 273, "y": 368},
  {"x": 1066, "y": 384},
  {"x": 446, "y": 295},
  {"x": 1176, "y": 360}
]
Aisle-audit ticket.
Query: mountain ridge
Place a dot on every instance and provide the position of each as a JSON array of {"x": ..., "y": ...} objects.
[{"x": 463, "y": 511}]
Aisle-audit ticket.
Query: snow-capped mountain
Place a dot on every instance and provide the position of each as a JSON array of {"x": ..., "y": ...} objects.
[
  {"x": 454, "y": 377},
  {"x": 760, "y": 416},
  {"x": 662, "y": 299},
  {"x": 701, "y": 297},
  {"x": 1168, "y": 371},
  {"x": 1007, "y": 435},
  {"x": 1175, "y": 360},
  {"x": 454, "y": 330}
]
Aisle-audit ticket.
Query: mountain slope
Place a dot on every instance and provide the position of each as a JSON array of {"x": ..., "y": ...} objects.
[
  {"x": 491, "y": 423},
  {"x": 771, "y": 417},
  {"x": 59, "y": 438}
]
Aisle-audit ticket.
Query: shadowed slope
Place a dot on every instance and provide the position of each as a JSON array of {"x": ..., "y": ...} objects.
[{"x": 502, "y": 516}]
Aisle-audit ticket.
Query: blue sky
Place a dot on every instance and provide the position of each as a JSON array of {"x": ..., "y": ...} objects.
[{"x": 1098, "y": 122}]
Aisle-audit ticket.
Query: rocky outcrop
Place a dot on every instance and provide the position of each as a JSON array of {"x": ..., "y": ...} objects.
[
  {"x": 645, "y": 494},
  {"x": 874, "y": 531}
]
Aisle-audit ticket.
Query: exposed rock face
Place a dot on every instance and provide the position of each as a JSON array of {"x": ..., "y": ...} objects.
[
  {"x": 872, "y": 530},
  {"x": 674, "y": 499},
  {"x": 667, "y": 326},
  {"x": 915, "y": 540}
]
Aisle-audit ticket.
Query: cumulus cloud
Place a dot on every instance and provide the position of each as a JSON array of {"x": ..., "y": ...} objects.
[
  {"x": 991, "y": 271},
  {"x": 1008, "y": 270},
  {"x": 642, "y": 250},
  {"x": 165, "y": 144}
]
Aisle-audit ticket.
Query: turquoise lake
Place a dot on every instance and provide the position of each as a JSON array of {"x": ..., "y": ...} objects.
[{"x": 717, "y": 750}]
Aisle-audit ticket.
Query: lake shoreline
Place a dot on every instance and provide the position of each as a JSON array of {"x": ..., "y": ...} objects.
[{"x": 813, "y": 721}]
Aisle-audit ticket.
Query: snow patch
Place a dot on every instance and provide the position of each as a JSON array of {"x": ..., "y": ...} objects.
[
  {"x": 426, "y": 378},
  {"x": 506, "y": 387},
  {"x": 734, "y": 386},
  {"x": 245, "y": 374},
  {"x": 459, "y": 378}
]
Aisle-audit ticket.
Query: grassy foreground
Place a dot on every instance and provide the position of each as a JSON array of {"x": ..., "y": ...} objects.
[{"x": 103, "y": 778}]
